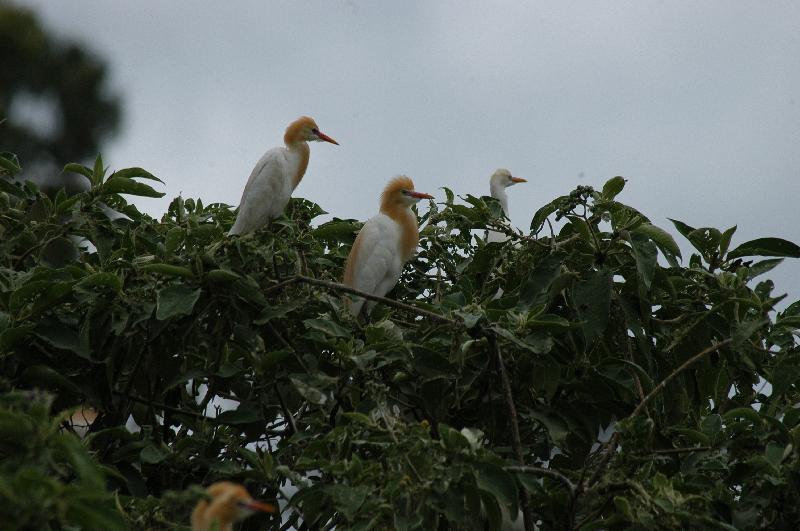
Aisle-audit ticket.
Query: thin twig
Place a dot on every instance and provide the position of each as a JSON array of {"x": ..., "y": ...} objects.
[
  {"x": 178, "y": 411},
  {"x": 347, "y": 289},
  {"x": 286, "y": 412},
  {"x": 682, "y": 450},
  {"x": 516, "y": 441}
]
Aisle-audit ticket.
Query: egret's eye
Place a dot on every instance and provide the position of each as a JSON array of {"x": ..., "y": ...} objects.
[
  {"x": 315, "y": 131},
  {"x": 404, "y": 192}
]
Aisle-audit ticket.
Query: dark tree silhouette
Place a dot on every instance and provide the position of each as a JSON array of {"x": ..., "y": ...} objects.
[{"x": 60, "y": 82}]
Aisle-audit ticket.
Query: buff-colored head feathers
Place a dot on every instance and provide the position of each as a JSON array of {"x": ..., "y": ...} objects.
[
  {"x": 305, "y": 129},
  {"x": 228, "y": 502},
  {"x": 400, "y": 193}
]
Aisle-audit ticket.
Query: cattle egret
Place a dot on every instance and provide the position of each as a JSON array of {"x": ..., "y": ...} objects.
[
  {"x": 385, "y": 243},
  {"x": 227, "y": 503},
  {"x": 276, "y": 175},
  {"x": 498, "y": 182},
  {"x": 82, "y": 420}
]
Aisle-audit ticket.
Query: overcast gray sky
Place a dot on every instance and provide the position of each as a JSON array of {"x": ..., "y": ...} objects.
[{"x": 697, "y": 104}]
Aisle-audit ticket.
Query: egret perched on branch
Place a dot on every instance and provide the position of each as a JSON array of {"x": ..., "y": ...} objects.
[
  {"x": 227, "y": 503},
  {"x": 276, "y": 175},
  {"x": 385, "y": 243},
  {"x": 498, "y": 182}
]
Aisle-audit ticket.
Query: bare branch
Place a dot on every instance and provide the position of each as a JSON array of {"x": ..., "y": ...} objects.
[
  {"x": 347, "y": 289},
  {"x": 516, "y": 441}
]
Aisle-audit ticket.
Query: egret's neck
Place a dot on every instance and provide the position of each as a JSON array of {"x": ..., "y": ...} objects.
[
  {"x": 303, "y": 153},
  {"x": 409, "y": 231},
  {"x": 498, "y": 191}
]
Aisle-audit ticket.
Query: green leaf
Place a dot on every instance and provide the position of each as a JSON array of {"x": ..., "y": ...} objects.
[
  {"x": 711, "y": 426},
  {"x": 682, "y": 227},
  {"x": 122, "y": 185},
  {"x": 501, "y": 484},
  {"x": 661, "y": 238},
  {"x": 766, "y": 247},
  {"x": 492, "y": 510},
  {"x": 85, "y": 467},
  {"x": 337, "y": 230},
  {"x": 327, "y": 327},
  {"x": 743, "y": 412},
  {"x": 693, "y": 435},
  {"x": 108, "y": 280},
  {"x": 130, "y": 173},
  {"x": 764, "y": 266},
  {"x": 99, "y": 172},
  {"x": 44, "y": 376},
  {"x": 592, "y": 299},
  {"x": 646, "y": 255},
  {"x": 173, "y": 239},
  {"x": 725, "y": 240},
  {"x": 244, "y": 414},
  {"x": 79, "y": 169},
  {"x": 556, "y": 427},
  {"x": 347, "y": 499},
  {"x": 167, "y": 269},
  {"x": 153, "y": 455},
  {"x": 541, "y": 215},
  {"x": 61, "y": 336},
  {"x": 11, "y": 336},
  {"x": 175, "y": 301},
  {"x": 613, "y": 187},
  {"x": 9, "y": 163},
  {"x": 309, "y": 392},
  {"x": 791, "y": 321},
  {"x": 746, "y": 329},
  {"x": 537, "y": 283}
]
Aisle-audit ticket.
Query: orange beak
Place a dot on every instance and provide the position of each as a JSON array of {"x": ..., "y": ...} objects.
[
  {"x": 326, "y": 138},
  {"x": 518, "y": 180},
  {"x": 420, "y": 195},
  {"x": 255, "y": 505}
]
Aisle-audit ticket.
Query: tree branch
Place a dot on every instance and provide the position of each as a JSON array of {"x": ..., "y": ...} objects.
[
  {"x": 516, "y": 441},
  {"x": 347, "y": 289},
  {"x": 286, "y": 412},
  {"x": 178, "y": 411}
]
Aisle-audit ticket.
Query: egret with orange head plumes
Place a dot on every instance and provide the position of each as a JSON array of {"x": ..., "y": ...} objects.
[
  {"x": 276, "y": 175},
  {"x": 385, "y": 243},
  {"x": 227, "y": 503}
]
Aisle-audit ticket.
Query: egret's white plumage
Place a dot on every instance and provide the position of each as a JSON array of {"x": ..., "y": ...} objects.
[
  {"x": 276, "y": 175},
  {"x": 498, "y": 182},
  {"x": 385, "y": 243}
]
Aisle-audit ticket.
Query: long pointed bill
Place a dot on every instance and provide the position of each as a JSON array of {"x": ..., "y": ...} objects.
[
  {"x": 255, "y": 505},
  {"x": 326, "y": 138},
  {"x": 518, "y": 180},
  {"x": 420, "y": 195}
]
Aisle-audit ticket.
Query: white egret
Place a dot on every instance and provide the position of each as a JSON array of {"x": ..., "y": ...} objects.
[{"x": 276, "y": 175}]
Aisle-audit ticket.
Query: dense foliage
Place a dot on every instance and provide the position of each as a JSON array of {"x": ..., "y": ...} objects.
[{"x": 484, "y": 392}]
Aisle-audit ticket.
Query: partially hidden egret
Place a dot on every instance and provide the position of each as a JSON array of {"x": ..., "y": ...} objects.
[
  {"x": 227, "y": 503},
  {"x": 385, "y": 243},
  {"x": 276, "y": 175},
  {"x": 498, "y": 182}
]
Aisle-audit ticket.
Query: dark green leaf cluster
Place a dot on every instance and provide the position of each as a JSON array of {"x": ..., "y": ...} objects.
[{"x": 208, "y": 357}]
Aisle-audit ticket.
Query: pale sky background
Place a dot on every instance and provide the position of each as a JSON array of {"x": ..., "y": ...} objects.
[{"x": 697, "y": 104}]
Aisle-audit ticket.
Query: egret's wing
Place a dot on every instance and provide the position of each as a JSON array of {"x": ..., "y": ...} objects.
[
  {"x": 266, "y": 193},
  {"x": 375, "y": 257}
]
